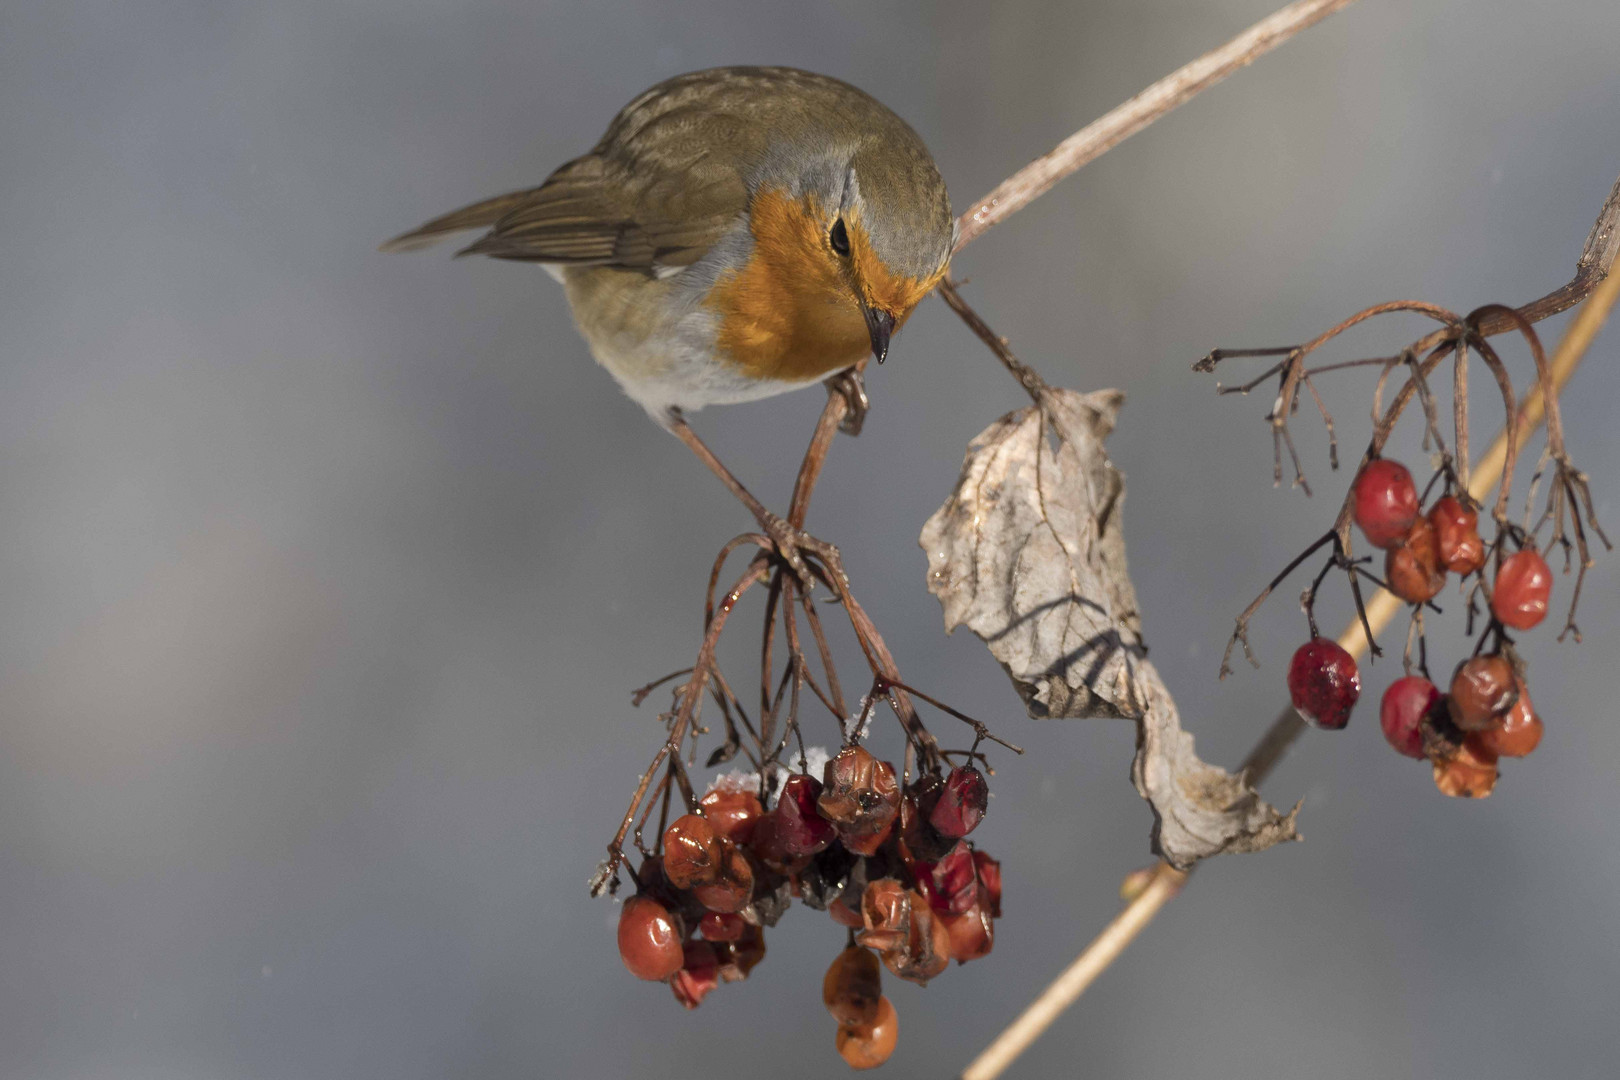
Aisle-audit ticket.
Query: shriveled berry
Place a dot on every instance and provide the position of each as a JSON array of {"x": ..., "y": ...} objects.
[
  {"x": 853, "y": 986},
  {"x": 1456, "y": 531},
  {"x": 1523, "y": 586},
  {"x": 733, "y": 883},
  {"x": 1469, "y": 774},
  {"x": 925, "y": 951},
  {"x": 1386, "y": 502},
  {"x": 1407, "y": 701},
  {"x": 1412, "y": 567},
  {"x": 722, "y": 926},
  {"x": 866, "y": 1046},
  {"x": 952, "y": 884},
  {"x": 732, "y": 813},
  {"x": 1323, "y": 683},
  {"x": 845, "y": 915},
  {"x": 885, "y": 914},
  {"x": 738, "y": 958},
  {"x": 826, "y": 877},
  {"x": 700, "y": 973},
  {"x": 649, "y": 939},
  {"x": 1515, "y": 733},
  {"x": 989, "y": 871},
  {"x": 1483, "y": 688},
  {"x": 861, "y": 797},
  {"x": 961, "y": 804},
  {"x": 773, "y": 894},
  {"x": 972, "y": 934},
  {"x": 919, "y": 841},
  {"x": 691, "y": 851},
  {"x": 801, "y": 828}
]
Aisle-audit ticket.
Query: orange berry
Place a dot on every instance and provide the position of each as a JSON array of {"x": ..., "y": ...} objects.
[
  {"x": 866, "y": 1046},
  {"x": 691, "y": 852},
  {"x": 1471, "y": 774},
  {"x": 1412, "y": 567},
  {"x": 1515, "y": 733},
  {"x": 1483, "y": 688},
  {"x": 732, "y": 813},
  {"x": 853, "y": 987},
  {"x": 649, "y": 939},
  {"x": 1456, "y": 530}
]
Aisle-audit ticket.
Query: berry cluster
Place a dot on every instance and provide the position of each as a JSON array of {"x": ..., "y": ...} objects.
[
  {"x": 1486, "y": 713},
  {"x": 887, "y": 861}
]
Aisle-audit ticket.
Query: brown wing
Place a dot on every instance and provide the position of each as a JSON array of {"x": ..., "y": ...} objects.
[{"x": 662, "y": 187}]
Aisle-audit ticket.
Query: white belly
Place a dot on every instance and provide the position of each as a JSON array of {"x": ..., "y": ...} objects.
[{"x": 658, "y": 342}]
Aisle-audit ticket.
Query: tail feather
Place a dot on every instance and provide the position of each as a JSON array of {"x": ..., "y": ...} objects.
[{"x": 480, "y": 215}]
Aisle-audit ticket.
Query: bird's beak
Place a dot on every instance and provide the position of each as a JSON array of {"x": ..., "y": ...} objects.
[{"x": 880, "y": 324}]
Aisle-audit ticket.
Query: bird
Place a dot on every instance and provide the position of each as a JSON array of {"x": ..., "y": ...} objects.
[{"x": 737, "y": 233}]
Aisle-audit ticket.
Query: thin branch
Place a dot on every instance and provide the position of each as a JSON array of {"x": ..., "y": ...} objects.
[
  {"x": 1027, "y": 377},
  {"x": 1113, "y": 128}
]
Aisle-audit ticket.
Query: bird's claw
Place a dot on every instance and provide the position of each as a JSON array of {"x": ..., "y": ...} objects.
[
  {"x": 787, "y": 541},
  {"x": 852, "y": 385}
]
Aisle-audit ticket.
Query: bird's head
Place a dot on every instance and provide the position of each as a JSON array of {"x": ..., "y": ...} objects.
[
  {"x": 849, "y": 234},
  {"x": 886, "y": 228}
]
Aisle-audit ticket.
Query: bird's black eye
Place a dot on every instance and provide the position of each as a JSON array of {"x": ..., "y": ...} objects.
[{"x": 838, "y": 237}]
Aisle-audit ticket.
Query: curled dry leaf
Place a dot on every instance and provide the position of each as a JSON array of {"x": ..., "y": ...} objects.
[{"x": 1029, "y": 554}]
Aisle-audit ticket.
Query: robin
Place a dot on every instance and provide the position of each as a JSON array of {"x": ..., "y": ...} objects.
[{"x": 737, "y": 233}]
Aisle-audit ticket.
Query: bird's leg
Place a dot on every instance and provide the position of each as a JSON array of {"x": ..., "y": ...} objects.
[
  {"x": 852, "y": 384},
  {"x": 786, "y": 538}
]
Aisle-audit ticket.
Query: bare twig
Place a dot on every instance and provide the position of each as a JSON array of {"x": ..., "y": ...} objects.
[
  {"x": 1027, "y": 377},
  {"x": 1108, "y": 131}
]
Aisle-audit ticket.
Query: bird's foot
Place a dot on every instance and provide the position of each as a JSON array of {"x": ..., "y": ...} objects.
[{"x": 852, "y": 385}]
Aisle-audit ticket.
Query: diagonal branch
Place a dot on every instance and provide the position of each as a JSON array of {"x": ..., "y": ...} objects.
[{"x": 1108, "y": 131}]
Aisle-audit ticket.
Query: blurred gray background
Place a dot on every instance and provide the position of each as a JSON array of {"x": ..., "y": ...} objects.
[{"x": 326, "y": 574}]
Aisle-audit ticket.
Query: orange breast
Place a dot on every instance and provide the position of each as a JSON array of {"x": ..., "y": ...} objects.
[{"x": 789, "y": 313}]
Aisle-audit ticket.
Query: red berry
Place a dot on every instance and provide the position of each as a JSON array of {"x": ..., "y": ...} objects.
[
  {"x": 733, "y": 883},
  {"x": 1515, "y": 733},
  {"x": 732, "y": 813},
  {"x": 700, "y": 973},
  {"x": 691, "y": 852},
  {"x": 989, "y": 871},
  {"x": 1469, "y": 774},
  {"x": 1456, "y": 530},
  {"x": 853, "y": 986},
  {"x": 918, "y": 840},
  {"x": 1323, "y": 683},
  {"x": 801, "y": 830},
  {"x": 861, "y": 798},
  {"x": 1386, "y": 502},
  {"x": 1407, "y": 701},
  {"x": 722, "y": 926},
  {"x": 649, "y": 939},
  {"x": 1412, "y": 567},
  {"x": 950, "y": 885},
  {"x": 1523, "y": 585},
  {"x": 866, "y": 1046},
  {"x": 961, "y": 804},
  {"x": 1483, "y": 688}
]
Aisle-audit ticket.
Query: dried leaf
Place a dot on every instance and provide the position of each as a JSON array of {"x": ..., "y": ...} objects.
[{"x": 1029, "y": 554}]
